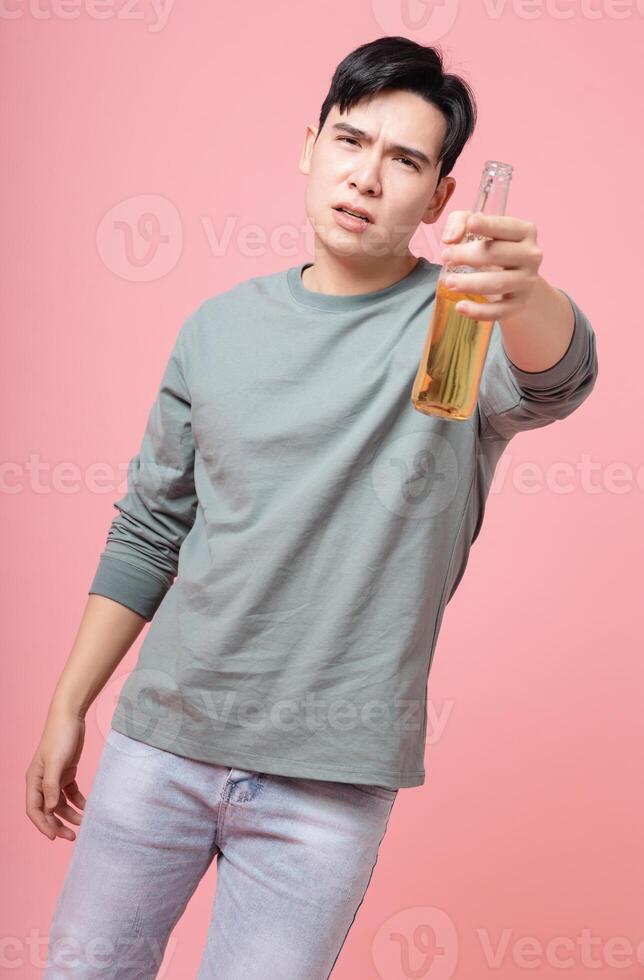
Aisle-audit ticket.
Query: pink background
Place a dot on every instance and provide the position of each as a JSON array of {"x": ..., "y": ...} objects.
[{"x": 526, "y": 831}]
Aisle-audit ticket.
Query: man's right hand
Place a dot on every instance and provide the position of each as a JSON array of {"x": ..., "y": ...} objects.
[{"x": 51, "y": 776}]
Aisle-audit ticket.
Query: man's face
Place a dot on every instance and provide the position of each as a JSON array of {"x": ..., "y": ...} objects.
[{"x": 369, "y": 171}]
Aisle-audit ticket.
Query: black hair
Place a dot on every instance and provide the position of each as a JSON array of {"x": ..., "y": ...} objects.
[{"x": 393, "y": 62}]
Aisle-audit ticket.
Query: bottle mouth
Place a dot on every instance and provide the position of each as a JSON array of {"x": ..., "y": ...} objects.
[{"x": 498, "y": 169}]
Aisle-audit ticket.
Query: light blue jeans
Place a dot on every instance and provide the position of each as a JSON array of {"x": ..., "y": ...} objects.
[{"x": 294, "y": 859}]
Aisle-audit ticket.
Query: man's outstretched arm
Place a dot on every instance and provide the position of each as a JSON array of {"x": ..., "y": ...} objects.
[{"x": 542, "y": 359}]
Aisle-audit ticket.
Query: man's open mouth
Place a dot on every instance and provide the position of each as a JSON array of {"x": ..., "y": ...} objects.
[{"x": 353, "y": 214}]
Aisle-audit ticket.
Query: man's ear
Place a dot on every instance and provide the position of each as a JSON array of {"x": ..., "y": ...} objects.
[
  {"x": 442, "y": 194},
  {"x": 310, "y": 136}
]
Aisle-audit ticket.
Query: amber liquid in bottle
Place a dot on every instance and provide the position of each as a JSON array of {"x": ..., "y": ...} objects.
[
  {"x": 455, "y": 349},
  {"x": 449, "y": 373}
]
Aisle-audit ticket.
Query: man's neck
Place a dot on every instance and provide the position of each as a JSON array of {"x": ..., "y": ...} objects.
[{"x": 344, "y": 278}]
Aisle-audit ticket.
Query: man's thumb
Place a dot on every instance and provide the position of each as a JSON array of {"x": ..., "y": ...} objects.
[{"x": 51, "y": 786}]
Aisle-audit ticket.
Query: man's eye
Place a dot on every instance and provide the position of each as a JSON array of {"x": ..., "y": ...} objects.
[{"x": 351, "y": 139}]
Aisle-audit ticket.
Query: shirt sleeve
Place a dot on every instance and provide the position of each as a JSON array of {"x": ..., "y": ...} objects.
[
  {"x": 141, "y": 556},
  {"x": 511, "y": 400}
]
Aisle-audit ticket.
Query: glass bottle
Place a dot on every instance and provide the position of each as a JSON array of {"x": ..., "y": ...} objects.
[{"x": 449, "y": 373}]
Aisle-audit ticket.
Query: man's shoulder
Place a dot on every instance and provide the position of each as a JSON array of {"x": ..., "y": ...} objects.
[{"x": 241, "y": 294}]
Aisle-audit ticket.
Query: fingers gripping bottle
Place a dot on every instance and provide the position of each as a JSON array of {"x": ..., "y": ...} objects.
[{"x": 449, "y": 373}]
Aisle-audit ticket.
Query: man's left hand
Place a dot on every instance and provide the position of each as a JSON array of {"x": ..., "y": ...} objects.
[{"x": 510, "y": 255}]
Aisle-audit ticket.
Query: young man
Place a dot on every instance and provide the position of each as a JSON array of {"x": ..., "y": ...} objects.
[{"x": 317, "y": 526}]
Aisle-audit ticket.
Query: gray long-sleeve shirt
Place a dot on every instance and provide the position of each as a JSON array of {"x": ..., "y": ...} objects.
[{"x": 316, "y": 523}]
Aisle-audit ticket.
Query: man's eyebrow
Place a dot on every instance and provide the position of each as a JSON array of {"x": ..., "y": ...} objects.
[{"x": 360, "y": 134}]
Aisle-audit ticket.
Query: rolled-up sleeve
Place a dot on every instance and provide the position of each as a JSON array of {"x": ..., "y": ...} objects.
[
  {"x": 140, "y": 559},
  {"x": 511, "y": 400}
]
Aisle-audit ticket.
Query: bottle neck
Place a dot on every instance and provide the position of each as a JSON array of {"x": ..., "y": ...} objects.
[
  {"x": 493, "y": 191},
  {"x": 491, "y": 199},
  {"x": 493, "y": 195}
]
